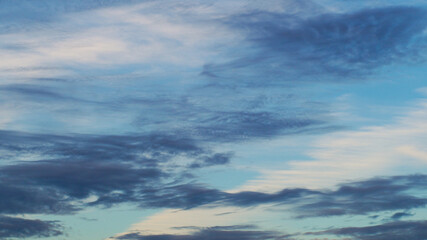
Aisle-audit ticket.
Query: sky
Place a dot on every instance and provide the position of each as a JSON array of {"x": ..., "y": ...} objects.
[{"x": 213, "y": 120}]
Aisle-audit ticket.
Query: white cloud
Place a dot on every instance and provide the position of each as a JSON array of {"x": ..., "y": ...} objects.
[
  {"x": 113, "y": 36},
  {"x": 392, "y": 149},
  {"x": 175, "y": 221}
]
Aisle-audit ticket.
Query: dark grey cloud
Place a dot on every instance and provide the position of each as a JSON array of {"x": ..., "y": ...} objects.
[
  {"x": 400, "y": 215},
  {"x": 193, "y": 195},
  {"x": 79, "y": 179},
  {"x": 11, "y": 227},
  {"x": 330, "y": 46},
  {"x": 357, "y": 198},
  {"x": 99, "y": 147},
  {"x": 408, "y": 230},
  {"x": 213, "y": 233},
  {"x": 58, "y": 187},
  {"x": 19, "y": 199},
  {"x": 63, "y": 185},
  {"x": 185, "y": 196},
  {"x": 65, "y": 170},
  {"x": 370, "y": 196}
]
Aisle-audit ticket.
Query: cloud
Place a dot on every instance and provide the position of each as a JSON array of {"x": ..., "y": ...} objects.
[
  {"x": 76, "y": 37},
  {"x": 388, "y": 231},
  {"x": 232, "y": 126},
  {"x": 188, "y": 196},
  {"x": 216, "y": 159},
  {"x": 32, "y": 14},
  {"x": 373, "y": 150},
  {"x": 204, "y": 118},
  {"x": 11, "y": 227},
  {"x": 99, "y": 148},
  {"x": 356, "y": 198},
  {"x": 244, "y": 199},
  {"x": 334, "y": 46},
  {"x": 19, "y": 199},
  {"x": 60, "y": 173},
  {"x": 57, "y": 174},
  {"x": 212, "y": 233},
  {"x": 184, "y": 196},
  {"x": 400, "y": 215},
  {"x": 370, "y": 196},
  {"x": 95, "y": 43},
  {"x": 66, "y": 186},
  {"x": 22, "y": 93},
  {"x": 152, "y": 169},
  {"x": 29, "y": 90},
  {"x": 79, "y": 179},
  {"x": 351, "y": 200}
]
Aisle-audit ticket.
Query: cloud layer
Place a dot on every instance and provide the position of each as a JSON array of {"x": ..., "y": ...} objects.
[{"x": 108, "y": 104}]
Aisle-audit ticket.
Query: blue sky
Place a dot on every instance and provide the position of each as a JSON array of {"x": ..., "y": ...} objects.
[{"x": 216, "y": 120}]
